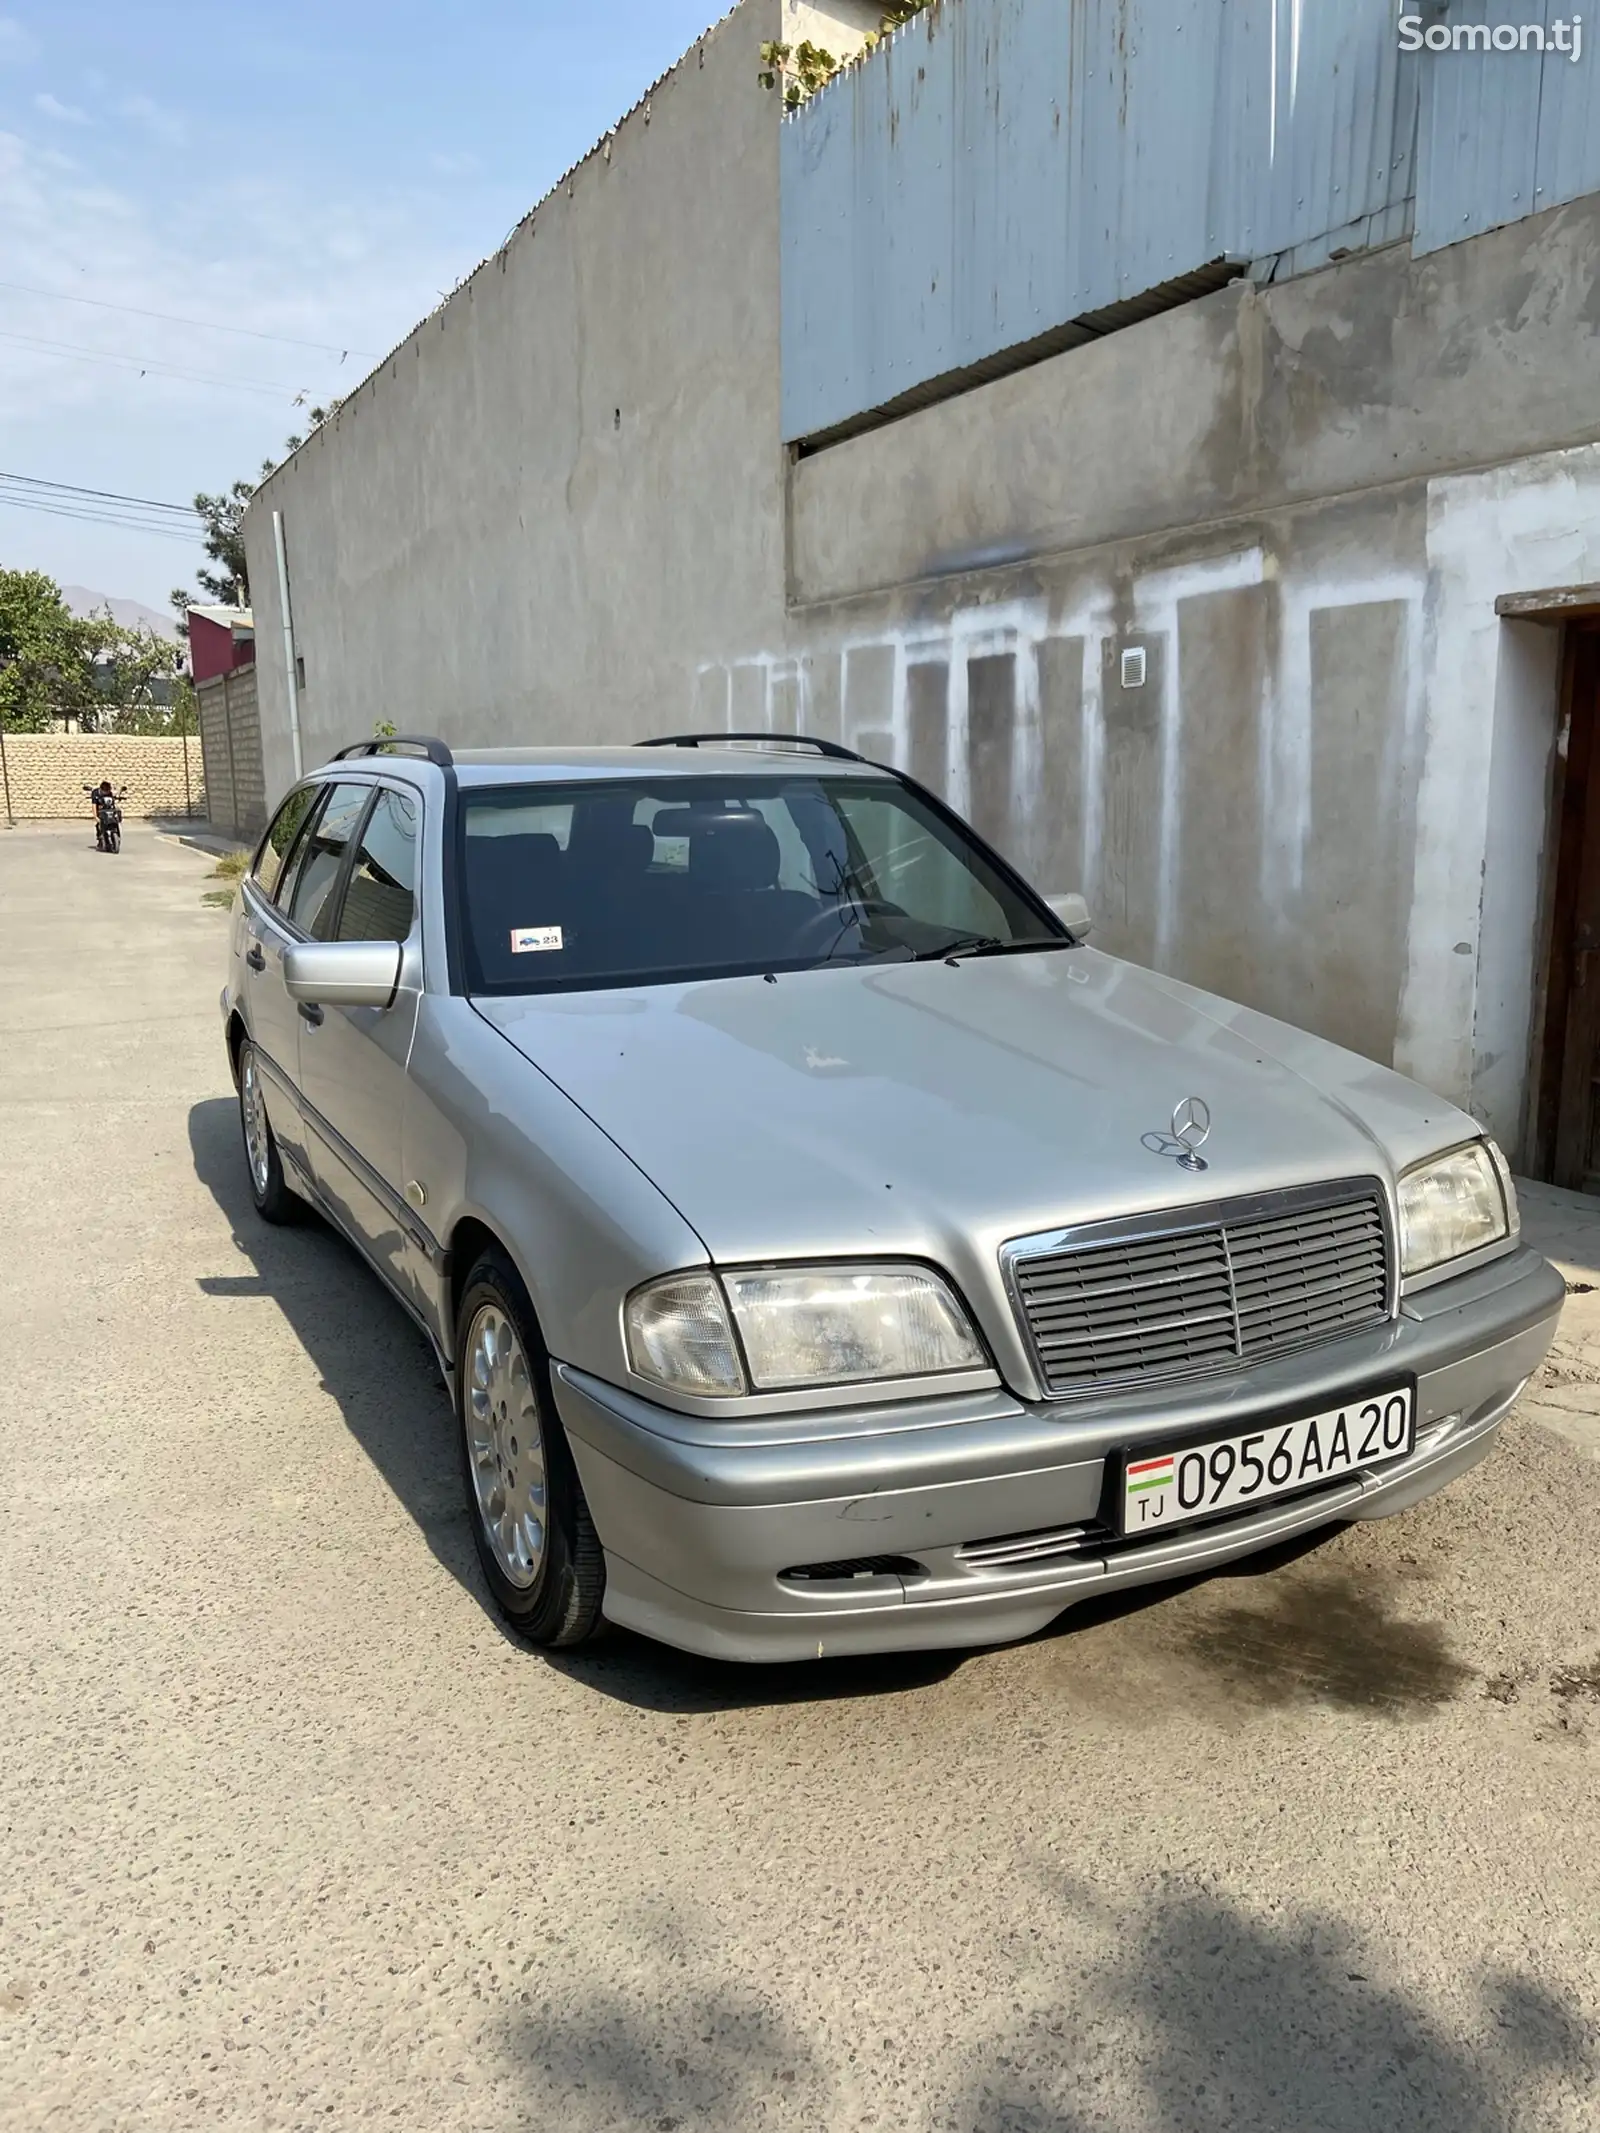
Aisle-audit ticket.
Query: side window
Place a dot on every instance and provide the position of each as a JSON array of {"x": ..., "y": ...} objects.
[
  {"x": 275, "y": 845},
  {"x": 317, "y": 876},
  {"x": 381, "y": 901}
]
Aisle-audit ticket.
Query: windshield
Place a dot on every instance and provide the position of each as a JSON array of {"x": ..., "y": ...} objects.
[{"x": 634, "y": 882}]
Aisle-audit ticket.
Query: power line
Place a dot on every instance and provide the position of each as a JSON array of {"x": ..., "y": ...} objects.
[
  {"x": 100, "y": 518},
  {"x": 73, "y": 352},
  {"x": 60, "y": 296},
  {"x": 143, "y": 522},
  {"x": 32, "y": 481}
]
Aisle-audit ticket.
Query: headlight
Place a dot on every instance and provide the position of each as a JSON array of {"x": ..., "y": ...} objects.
[
  {"x": 797, "y": 1327},
  {"x": 1454, "y": 1205}
]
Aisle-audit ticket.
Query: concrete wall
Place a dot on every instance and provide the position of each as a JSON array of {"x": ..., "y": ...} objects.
[
  {"x": 47, "y": 772},
  {"x": 562, "y": 509},
  {"x": 567, "y": 486}
]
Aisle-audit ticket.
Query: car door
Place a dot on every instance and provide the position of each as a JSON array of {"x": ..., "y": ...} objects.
[
  {"x": 353, "y": 1059},
  {"x": 269, "y": 1013},
  {"x": 305, "y": 909}
]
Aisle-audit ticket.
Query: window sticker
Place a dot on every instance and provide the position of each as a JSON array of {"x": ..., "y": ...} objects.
[{"x": 534, "y": 940}]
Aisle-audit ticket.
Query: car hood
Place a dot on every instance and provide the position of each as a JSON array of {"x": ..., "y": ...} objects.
[{"x": 937, "y": 1110}]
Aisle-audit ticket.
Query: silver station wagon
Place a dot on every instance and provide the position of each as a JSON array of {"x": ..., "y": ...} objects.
[{"x": 826, "y": 1248}]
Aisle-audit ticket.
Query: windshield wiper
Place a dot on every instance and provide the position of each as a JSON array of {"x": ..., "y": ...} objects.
[{"x": 976, "y": 944}]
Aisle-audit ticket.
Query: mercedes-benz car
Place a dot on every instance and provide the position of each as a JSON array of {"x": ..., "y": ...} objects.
[{"x": 826, "y": 1247}]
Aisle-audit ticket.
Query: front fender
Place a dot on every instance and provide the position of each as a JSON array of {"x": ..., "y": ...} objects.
[{"x": 490, "y": 1139}]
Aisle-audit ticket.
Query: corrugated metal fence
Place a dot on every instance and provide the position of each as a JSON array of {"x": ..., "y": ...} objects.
[{"x": 1007, "y": 171}]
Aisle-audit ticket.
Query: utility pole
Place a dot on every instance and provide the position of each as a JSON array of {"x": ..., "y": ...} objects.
[{"x": 5, "y": 774}]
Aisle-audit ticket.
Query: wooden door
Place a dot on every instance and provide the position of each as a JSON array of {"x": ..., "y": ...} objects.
[{"x": 1575, "y": 942}]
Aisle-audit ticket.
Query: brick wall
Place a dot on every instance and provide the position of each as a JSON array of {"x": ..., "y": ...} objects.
[{"x": 48, "y": 771}]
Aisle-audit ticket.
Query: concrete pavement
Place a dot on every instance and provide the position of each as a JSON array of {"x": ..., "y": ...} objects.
[
  {"x": 292, "y": 1835},
  {"x": 1565, "y": 1397}
]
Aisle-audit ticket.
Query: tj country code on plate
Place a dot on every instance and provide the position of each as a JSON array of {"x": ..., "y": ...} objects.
[{"x": 1202, "y": 1480}]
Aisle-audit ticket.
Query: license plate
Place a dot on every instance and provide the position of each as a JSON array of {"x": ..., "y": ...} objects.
[{"x": 1161, "y": 1489}]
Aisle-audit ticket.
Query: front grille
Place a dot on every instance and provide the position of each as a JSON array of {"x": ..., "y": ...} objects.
[{"x": 1238, "y": 1283}]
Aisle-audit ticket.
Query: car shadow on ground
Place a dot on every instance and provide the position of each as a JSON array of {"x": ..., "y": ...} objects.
[
  {"x": 374, "y": 1361},
  {"x": 379, "y": 1367}
]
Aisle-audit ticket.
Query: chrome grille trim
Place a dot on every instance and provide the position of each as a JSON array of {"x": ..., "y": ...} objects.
[
  {"x": 1027, "y": 1551},
  {"x": 1189, "y": 1292}
]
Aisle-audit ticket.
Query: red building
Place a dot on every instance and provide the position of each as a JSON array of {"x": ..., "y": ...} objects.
[{"x": 220, "y": 639}]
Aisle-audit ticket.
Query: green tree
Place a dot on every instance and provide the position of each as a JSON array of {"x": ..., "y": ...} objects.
[
  {"x": 185, "y": 708},
  {"x": 47, "y": 653},
  {"x": 228, "y": 585},
  {"x": 128, "y": 665}
]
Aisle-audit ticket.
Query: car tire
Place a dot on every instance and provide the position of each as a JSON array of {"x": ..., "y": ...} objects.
[
  {"x": 535, "y": 1539},
  {"x": 269, "y": 1189}
]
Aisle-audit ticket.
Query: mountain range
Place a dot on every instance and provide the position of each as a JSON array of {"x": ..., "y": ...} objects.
[{"x": 132, "y": 614}]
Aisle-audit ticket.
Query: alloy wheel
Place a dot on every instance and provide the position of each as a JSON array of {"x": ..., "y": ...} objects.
[
  {"x": 505, "y": 1447},
  {"x": 257, "y": 1133}
]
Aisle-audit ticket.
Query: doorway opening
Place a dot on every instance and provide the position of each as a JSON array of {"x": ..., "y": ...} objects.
[{"x": 1565, "y": 1136}]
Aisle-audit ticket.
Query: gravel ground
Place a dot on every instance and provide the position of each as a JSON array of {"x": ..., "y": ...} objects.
[{"x": 292, "y": 1834}]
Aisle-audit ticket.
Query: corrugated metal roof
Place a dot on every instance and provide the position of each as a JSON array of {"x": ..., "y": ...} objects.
[
  {"x": 1478, "y": 140},
  {"x": 1003, "y": 167},
  {"x": 1504, "y": 134}
]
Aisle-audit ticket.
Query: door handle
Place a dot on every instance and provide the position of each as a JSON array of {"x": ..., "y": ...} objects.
[
  {"x": 311, "y": 1012},
  {"x": 254, "y": 957}
]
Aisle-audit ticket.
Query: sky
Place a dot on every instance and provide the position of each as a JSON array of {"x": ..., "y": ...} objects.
[{"x": 320, "y": 172}]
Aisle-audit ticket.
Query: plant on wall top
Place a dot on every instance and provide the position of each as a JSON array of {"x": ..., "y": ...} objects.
[{"x": 800, "y": 70}]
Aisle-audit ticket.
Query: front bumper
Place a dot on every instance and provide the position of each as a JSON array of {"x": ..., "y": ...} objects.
[{"x": 991, "y": 1507}]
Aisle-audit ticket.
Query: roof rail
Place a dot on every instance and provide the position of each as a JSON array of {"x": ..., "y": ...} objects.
[
  {"x": 395, "y": 743},
  {"x": 779, "y": 741}
]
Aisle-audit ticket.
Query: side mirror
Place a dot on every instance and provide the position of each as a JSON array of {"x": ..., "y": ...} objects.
[
  {"x": 342, "y": 973},
  {"x": 1073, "y": 912}
]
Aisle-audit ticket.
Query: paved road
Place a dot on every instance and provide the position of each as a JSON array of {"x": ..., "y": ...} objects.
[{"x": 292, "y": 1835}]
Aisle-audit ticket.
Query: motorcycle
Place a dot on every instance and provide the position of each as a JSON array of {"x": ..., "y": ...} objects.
[{"x": 107, "y": 817}]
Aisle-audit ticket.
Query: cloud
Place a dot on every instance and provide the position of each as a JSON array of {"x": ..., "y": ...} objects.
[
  {"x": 17, "y": 47},
  {"x": 63, "y": 114},
  {"x": 273, "y": 256},
  {"x": 165, "y": 126},
  {"x": 262, "y": 245},
  {"x": 462, "y": 165}
]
